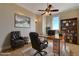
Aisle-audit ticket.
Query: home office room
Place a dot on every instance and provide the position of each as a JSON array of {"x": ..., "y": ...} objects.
[{"x": 39, "y": 29}]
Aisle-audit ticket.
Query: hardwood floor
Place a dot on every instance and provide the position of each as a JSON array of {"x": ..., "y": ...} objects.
[
  {"x": 16, "y": 52},
  {"x": 28, "y": 51},
  {"x": 74, "y": 49}
]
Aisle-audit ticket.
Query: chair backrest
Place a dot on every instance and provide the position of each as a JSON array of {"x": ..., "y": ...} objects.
[
  {"x": 35, "y": 41},
  {"x": 51, "y": 32},
  {"x": 15, "y": 34}
]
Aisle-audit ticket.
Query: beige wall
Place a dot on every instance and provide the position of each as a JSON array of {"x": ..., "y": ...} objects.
[
  {"x": 49, "y": 21},
  {"x": 7, "y": 12},
  {"x": 71, "y": 14},
  {"x": 44, "y": 25},
  {"x": 39, "y": 24}
]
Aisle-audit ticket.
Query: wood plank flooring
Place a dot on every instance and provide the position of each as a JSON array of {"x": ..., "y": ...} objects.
[{"x": 27, "y": 50}]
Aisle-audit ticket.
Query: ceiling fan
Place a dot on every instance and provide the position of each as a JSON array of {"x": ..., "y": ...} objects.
[{"x": 48, "y": 10}]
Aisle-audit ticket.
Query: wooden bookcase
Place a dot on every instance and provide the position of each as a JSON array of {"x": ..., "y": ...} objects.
[{"x": 69, "y": 28}]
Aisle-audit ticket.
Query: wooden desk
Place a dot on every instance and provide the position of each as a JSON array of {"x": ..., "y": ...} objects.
[
  {"x": 48, "y": 37},
  {"x": 56, "y": 46},
  {"x": 56, "y": 43},
  {"x": 51, "y": 37}
]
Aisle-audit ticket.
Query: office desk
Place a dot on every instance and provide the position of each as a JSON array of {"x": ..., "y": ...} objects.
[{"x": 58, "y": 43}]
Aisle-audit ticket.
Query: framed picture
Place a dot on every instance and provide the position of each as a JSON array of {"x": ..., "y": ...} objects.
[{"x": 22, "y": 21}]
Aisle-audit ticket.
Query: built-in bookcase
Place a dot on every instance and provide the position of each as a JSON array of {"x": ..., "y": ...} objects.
[{"x": 69, "y": 28}]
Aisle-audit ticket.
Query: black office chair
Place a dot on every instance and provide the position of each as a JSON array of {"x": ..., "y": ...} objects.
[{"x": 37, "y": 44}]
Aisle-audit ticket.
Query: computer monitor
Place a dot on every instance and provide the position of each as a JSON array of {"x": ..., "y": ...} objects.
[{"x": 51, "y": 32}]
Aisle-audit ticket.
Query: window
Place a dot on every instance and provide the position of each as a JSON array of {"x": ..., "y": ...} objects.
[{"x": 55, "y": 23}]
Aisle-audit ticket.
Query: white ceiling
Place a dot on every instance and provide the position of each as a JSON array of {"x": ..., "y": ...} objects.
[{"x": 34, "y": 7}]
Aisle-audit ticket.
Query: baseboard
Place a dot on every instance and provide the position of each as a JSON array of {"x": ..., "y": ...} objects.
[
  {"x": 4, "y": 49},
  {"x": 0, "y": 49},
  {"x": 29, "y": 41}
]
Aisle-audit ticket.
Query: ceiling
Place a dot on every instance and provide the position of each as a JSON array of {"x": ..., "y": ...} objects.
[{"x": 34, "y": 7}]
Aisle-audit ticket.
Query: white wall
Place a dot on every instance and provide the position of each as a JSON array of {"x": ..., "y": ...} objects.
[{"x": 7, "y": 12}]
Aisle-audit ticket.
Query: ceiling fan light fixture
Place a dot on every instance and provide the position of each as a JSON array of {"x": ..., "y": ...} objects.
[
  {"x": 47, "y": 13},
  {"x": 48, "y": 10}
]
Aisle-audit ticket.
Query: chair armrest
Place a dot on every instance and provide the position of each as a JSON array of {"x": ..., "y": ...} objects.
[
  {"x": 45, "y": 39},
  {"x": 44, "y": 42},
  {"x": 43, "y": 36}
]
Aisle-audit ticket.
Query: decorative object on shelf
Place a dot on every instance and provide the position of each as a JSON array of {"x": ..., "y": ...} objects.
[
  {"x": 73, "y": 24},
  {"x": 22, "y": 21},
  {"x": 67, "y": 24},
  {"x": 69, "y": 27},
  {"x": 64, "y": 21}
]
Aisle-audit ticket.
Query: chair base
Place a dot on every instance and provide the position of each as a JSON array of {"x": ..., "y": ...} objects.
[{"x": 40, "y": 52}]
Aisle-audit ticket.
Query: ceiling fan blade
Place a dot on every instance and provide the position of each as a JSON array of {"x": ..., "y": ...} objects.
[
  {"x": 50, "y": 14},
  {"x": 43, "y": 14},
  {"x": 55, "y": 10},
  {"x": 41, "y": 10}
]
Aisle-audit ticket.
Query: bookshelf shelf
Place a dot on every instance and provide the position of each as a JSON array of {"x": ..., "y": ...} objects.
[{"x": 69, "y": 28}]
